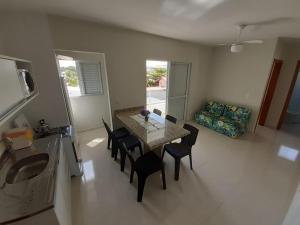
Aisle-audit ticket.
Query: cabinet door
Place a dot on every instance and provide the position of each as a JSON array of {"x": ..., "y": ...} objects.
[
  {"x": 293, "y": 216},
  {"x": 62, "y": 206},
  {"x": 10, "y": 87}
]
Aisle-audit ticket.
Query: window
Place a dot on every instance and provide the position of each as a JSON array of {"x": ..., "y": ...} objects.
[
  {"x": 82, "y": 78},
  {"x": 90, "y": 78}
]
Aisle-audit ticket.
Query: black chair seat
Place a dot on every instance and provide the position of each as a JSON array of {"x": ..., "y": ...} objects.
[
  {"x": 121, "y": 133},
  {"x": 130, "y": 141},
  {"x": 148, "y": 164},
  {"x": 177, "y": 150}
]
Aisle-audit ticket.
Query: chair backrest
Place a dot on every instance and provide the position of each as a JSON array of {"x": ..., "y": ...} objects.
[
  {"x": 157, "y": 112},
  {"x": 123, "y": 147},
  {"x": 190, "y": 139},
  {"x": 108, "y": 130},
  {"x": 171, "y": 118}
]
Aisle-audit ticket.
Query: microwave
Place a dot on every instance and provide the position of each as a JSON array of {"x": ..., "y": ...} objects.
[{"x": 27, "y": 82}]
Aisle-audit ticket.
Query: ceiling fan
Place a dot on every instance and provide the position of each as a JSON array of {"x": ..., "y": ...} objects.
[{"x": 238, "y": 45}]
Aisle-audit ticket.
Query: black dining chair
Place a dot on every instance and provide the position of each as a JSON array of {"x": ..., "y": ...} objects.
[
  {"x": 157, "y": 112},
  {"x": 171, "y": 118},
  {"x": 144, "y": 166},
  {"x": 118, "y": 134},
  {"x": 182, "y": 149},
  {"x": 131, "y": 142}
]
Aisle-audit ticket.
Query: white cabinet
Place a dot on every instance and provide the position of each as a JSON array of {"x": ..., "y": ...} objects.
[
  {"x": 293, "y": 215},
  {"x": 12, "y": 95},
  {"x": 61, "y": 213},
  {"x": 11, "y": 92},
  {"x": 62, "y": 205}
]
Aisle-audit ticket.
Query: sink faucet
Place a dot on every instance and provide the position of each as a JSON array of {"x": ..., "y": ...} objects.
[
  {"x": 8, "y": 153},
  {"x": 8, "y": 144}
]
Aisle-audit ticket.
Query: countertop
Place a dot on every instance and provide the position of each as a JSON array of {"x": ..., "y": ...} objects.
[{"x": 29, "y": 197}]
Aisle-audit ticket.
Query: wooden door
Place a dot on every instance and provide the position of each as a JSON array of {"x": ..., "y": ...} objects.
[{"x": 269, "y": 92}]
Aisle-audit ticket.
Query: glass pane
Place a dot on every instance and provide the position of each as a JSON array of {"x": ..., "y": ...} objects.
[
  {"x": 69, "y": 72},
  {"x": 156, "y": 83}
]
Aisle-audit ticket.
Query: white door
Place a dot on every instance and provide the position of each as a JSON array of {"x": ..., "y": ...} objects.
[{"x": 178, "y": 85}]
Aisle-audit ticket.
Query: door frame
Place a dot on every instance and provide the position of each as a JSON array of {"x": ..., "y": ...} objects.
[
  {"x": 269, "y": 91},
  {"x": 187, "y": 86},
  {"x": 104, "y": 73},
  {"x": 289, "y": 95}
]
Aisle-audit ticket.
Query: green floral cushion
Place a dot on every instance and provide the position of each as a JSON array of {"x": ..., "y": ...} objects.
[
  {"x": 226, "y": 119},
  {"x": 229, "y": 127},
  {"x": 214, "y": 108},
  {"x": 237, "y": 113},
  {"x": 204, "y": 118}
]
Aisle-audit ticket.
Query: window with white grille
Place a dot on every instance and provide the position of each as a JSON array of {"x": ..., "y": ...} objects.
[
  {"x": 90, "y": 79},
  {"x": 81, "y": 77}
]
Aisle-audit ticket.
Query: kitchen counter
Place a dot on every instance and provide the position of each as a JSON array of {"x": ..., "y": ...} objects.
[{"x": 28, "y": 197}]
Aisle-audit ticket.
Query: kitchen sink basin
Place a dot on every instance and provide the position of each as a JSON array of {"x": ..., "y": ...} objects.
[{"x": 27, "y": 168}]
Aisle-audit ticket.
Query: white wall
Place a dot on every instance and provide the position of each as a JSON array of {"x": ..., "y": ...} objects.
[
  {"x": 126, "y": 53},
  {"x": 26, "y": 35},
  {"x": 89, "y": 110},
  {"x": 241, "y": 78},
  {"x": 289, "y": 53}
]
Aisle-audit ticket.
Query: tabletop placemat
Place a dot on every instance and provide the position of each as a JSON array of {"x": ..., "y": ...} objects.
[{"x": 150, "y": 125}]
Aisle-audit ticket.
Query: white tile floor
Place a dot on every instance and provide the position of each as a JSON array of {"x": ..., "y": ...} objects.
[{"x": 234, "y": 182}]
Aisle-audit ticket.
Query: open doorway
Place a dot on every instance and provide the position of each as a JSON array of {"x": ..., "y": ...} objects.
[
  {"x": 269, "y": 91},
  {"x": 156, "y": 85},
  {"x": 167, "y": 87},
  {"x": 290, "y": 116},
  {"x": 85, "y": 87}
]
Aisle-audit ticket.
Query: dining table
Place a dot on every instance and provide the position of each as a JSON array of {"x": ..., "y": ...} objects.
[{"x": 154, "y": 132}]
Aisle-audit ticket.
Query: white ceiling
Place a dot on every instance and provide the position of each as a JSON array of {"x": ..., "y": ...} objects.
[{"x": 204, "y": 21}]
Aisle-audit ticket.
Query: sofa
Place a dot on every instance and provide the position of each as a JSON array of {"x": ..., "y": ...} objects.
[{"x": 226, "y": 119}]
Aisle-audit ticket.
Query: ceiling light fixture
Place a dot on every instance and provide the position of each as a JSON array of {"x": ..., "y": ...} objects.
[{"x": 235, "y": 48}]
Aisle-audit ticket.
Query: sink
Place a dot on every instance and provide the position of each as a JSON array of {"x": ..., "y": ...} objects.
[{"x": 27, "y": 168}]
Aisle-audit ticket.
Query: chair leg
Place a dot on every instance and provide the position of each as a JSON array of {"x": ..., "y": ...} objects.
[
  {"x": 108, "y": 142},
  {"x": 163, "y": 177},
  {"x": 113, "y": 148},
  {"x": 123, "y": 158},
  {"x": 141, "y": 185},
  {"x": 177, "y": 168},
  {"x": 191, "y": 163},
  {"x": 116, "y": 153},
  {"x": 140, "y": 148},
  {"x": 131, "y": 174}
]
